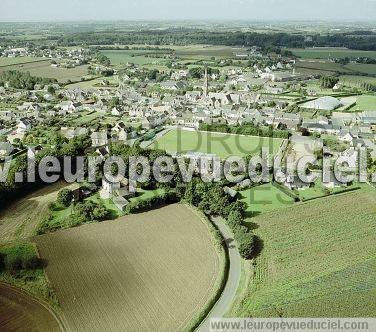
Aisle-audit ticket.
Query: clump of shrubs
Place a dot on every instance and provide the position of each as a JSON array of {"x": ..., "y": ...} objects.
[
  {"x": 18, "y": 258},
  {"x": 65, "y": 198},
  {"x": 82, "y": 213}
]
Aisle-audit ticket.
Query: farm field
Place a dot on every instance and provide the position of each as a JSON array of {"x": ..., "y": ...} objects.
[
  {"x": 18, "y": 60},
  {"x": 152, "y": 270},
  {"x": 223, "y": 145},
  {"x": 92, "y": 84},
  {"x": 18, "y": 312},
  {"x": 322, "y": 53},
  {"x": 138, "y": 57},
  {"x": 305, "y": 269},
  {"x": 265, "y": 198},
  {"x": 44, "y": 69},
  {"x": 20, "y": 219},
  {"x": 356, "y": 81},
  {"x": 204, "y": 51},
  {"x": 323, "y": 66},
  {"x": 362, "y": 68}
]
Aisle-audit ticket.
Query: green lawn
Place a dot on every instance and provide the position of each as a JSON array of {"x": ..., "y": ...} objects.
[
  {"x": 318, "y": 260},
  {"x": 146, "y": 194},
  {"x": 265, "y": 198},
  {"x": 223, "y": 145},
  {"x": 366, "y": 103}
]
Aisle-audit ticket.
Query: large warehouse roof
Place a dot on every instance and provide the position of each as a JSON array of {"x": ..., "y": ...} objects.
[{"x": 323, "y": 103}]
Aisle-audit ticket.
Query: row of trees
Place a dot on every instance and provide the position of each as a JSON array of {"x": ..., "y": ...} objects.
[
  {"x": 245, "y": 129},
  {"x": 212, "y": 200},
  {"x": 328, "y": 82}
]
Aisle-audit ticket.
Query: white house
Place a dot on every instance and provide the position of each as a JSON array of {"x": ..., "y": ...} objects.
[
  {"x": 5, "y": 149},
  {"x": 99, "y": 139},
  {"x": 24, "y": 126}
]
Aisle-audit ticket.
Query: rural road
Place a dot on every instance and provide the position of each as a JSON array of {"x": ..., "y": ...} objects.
[{"x": 223, "y": 304}]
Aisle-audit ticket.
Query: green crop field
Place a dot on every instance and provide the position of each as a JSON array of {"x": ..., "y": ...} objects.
[
  {"x": 223, "y": 145},
  {"x": 320, "y": 53},
  {"x": 318, "y": 259},
  {"x": 265, "y": 198}
]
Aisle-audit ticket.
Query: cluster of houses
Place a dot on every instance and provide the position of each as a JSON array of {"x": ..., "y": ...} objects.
[{"x": 172, "y": 105}]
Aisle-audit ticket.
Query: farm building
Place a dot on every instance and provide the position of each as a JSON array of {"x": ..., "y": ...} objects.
[{"x": 323, "y": 103}]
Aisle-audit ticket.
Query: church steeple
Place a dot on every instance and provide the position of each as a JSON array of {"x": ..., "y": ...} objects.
[{"x": 206, "y": 82}]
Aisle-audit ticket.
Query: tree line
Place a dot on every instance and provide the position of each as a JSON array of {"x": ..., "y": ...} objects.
[{"x": 237, "y": 38}]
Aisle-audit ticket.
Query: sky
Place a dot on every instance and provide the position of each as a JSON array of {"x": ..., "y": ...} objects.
[{"x": 88, "y": 10}]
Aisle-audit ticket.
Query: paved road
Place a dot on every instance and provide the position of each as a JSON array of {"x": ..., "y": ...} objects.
[{"x": 225, "y": 301}]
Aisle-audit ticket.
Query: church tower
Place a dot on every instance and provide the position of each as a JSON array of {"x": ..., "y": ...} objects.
[{"x": 206, "y": 83}]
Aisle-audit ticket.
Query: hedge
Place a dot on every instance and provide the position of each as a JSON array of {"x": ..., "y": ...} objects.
[{"x": 286, "y": 191}]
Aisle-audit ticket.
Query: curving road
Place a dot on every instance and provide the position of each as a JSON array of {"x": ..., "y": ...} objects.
[{"x": 224, "y": 303}]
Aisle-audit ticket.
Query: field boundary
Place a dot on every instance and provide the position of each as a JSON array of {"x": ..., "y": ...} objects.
[
  {"x": 23, "y": 63},
  {"x": 39, "y": 301}
]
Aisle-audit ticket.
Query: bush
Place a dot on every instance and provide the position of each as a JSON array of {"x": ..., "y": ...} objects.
[
  {"x": 19, "y": 257},
  {"x": 90, "y": 211},
  {"x": 65, "y": 197},
  {"x": 246, "y": 242},
  {"x": 235, "y": 219}
]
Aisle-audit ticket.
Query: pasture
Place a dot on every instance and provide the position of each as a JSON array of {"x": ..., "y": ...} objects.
[
  {"x": 317, "y": 260},
  {"x": 366, "y": 103},
  {"x": 265, "y": 198},
  {"x": 156, "y": 270},
  {"x": 222, "y": 145}
]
